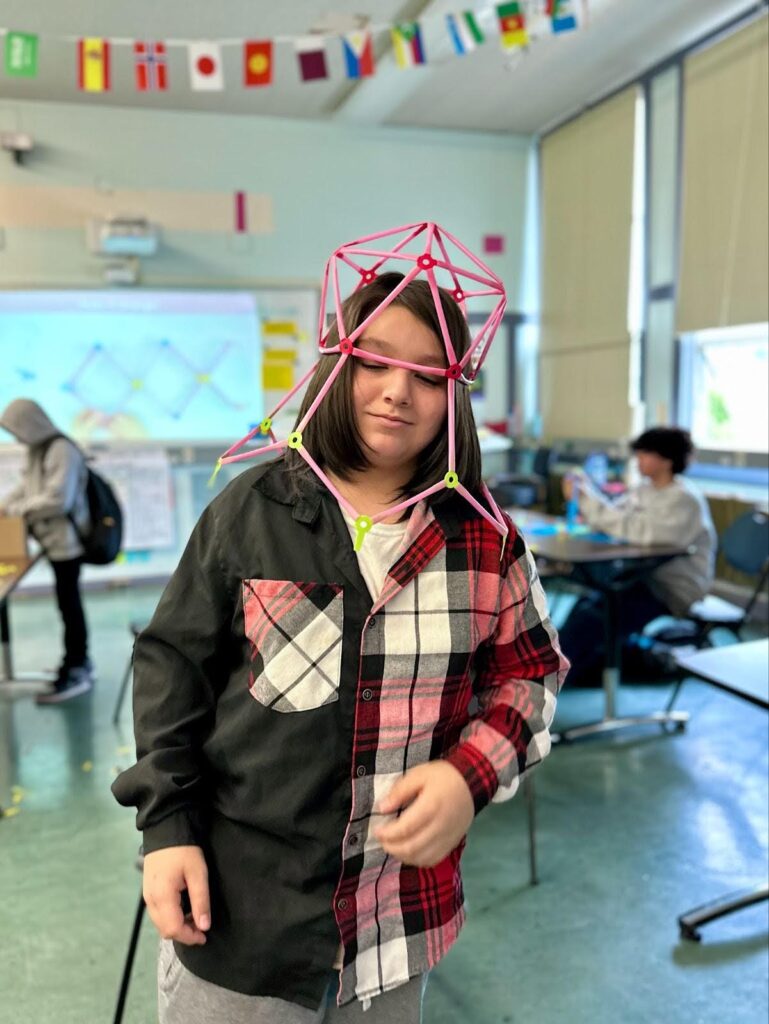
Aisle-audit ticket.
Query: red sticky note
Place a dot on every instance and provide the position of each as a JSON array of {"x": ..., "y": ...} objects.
[{"x": 493, "y": 245}]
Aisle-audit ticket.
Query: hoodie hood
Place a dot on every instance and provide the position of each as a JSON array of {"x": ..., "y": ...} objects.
[{"x": 27, "y": 422}]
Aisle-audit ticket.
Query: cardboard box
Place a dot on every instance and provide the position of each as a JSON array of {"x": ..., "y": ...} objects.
[{"x": 13, "y": 537}]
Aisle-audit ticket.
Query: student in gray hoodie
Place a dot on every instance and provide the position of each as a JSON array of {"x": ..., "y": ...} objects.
[
  {"x": 663, "y": 509},
  {"x": 52, "y": 488}
]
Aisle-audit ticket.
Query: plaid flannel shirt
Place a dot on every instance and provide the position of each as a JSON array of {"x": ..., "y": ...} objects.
[{"x": 303, "y": 702}]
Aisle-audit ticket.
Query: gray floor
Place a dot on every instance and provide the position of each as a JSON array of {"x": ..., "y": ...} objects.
[{"x": 631, "y": 832}]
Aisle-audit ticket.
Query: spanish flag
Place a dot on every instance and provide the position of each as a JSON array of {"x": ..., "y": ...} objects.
[
  {"x": 512, "y": 26},
  {"x": 93, "y": 65}
]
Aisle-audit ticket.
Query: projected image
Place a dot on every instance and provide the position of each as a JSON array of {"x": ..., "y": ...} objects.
[{"x": 137, "y": 366}]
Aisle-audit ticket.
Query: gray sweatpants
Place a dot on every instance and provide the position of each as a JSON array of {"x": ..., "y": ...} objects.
[{"x": 183, "y": 998}]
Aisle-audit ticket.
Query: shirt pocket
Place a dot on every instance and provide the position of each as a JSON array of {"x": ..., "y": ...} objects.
[{"x": 295, "y": 634}]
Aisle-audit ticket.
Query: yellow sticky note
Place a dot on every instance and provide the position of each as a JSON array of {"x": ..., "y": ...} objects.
[
  {"x": 280, "y": 327},
  {"x": 87, "y": 766},
  {"x": 278, "y": 377}
]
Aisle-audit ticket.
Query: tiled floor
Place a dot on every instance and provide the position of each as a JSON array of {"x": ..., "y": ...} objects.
[{"x": 631, "y": 832}]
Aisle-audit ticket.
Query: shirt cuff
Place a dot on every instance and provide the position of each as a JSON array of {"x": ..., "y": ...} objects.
[
  {"x": 176, "y": 829},
  {"x": 477, "y": 771}
]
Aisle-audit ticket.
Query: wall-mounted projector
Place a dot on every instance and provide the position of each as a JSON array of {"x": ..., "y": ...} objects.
[{"x": 123, "y": 236}]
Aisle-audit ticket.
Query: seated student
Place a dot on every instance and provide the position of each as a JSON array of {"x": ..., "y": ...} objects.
[{"x": 663, "y": 509}]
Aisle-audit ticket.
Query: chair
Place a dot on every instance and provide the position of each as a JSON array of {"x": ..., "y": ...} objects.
[
  {"x": 132, "y": 944},
  {"x": 745, "y": 547},
  {"x": 135, "y": 628},
  {"x": 524, "y": 489}
]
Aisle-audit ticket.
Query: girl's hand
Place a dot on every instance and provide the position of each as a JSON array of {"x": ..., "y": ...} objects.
[
  {"x": 167, "y": 873},
  {"x": 440, "y": 811}
]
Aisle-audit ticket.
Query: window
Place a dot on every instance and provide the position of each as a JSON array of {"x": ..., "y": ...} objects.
[{"x": 724, "y": 388}]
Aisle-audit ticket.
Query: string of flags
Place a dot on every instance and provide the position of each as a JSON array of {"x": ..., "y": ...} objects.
[{"x": 516, "y": 24}]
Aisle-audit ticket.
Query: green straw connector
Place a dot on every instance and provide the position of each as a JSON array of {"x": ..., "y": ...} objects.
[
  {"x": 215, "y": 473},
  {"x": 362, "y": 526},
  {"x": 295, "y": 439},
  {"x": 451, "y": 479}
]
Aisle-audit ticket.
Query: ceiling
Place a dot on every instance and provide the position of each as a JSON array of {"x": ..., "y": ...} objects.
[{"x": 486, "y": 90}]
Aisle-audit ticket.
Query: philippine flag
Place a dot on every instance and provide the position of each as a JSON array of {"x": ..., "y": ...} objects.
[
  {"x": 358, "y": 54},
  {"x": 205, "y": 60},
  {"x": 407, "y": 42}
]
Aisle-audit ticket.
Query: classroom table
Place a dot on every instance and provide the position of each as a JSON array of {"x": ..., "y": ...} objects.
[
  {"x": 741, "y": 670},
  {"x": 608, "y": 565},
  {"x": 12, "y": 571}
]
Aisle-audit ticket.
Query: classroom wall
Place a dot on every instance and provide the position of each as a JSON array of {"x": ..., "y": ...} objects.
[{"x": 326, "y": 184}]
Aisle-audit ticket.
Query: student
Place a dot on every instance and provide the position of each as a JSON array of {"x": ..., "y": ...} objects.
[
  {"x": 664, "y": 509},
  {"x": 291, "y": 697},
  {"x": 53, "y": 488}
]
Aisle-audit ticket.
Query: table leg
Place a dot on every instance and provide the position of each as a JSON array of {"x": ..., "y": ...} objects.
[
  {"x": 611, "y": 722},
  {"x": 21, "y": 685}
]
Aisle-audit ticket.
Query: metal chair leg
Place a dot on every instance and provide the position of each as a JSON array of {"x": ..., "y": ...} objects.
[
  {"x": 122, "y": 691},
  {"x": 129, "y": 962},
  {"x": 528, "y": 787}
]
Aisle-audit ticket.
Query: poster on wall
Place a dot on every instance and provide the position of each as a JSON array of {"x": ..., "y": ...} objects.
[{"x": 138, "y": 366}]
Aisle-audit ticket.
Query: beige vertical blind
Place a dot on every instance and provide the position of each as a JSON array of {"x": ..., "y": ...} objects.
[
  {"x": 587, "y": 206},
  {"x": 725, "y": 218}
]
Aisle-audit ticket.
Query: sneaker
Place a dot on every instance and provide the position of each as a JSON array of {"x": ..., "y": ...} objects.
[
  {"x": 56, "y": 672},
  {"x": 69, "y": 684}
]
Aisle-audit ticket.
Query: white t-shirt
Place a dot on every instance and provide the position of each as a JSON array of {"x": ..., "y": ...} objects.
[{"x": 379, "y": 551}]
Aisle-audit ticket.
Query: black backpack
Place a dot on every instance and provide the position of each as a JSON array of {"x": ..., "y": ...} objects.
[{"x": 101, "y": 544}]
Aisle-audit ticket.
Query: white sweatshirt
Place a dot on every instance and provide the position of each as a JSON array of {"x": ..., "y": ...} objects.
[{"x": 675, "y": 514}]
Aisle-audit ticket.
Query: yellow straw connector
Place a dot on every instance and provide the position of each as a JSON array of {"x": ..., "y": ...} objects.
[
  {"x": 295, "y": 439},
  {"x": 266, "y": 425},
  {"x": 451, "y": 479},
  {"x": 362, "y": 526},
  {"x": 215, "y": 473}
]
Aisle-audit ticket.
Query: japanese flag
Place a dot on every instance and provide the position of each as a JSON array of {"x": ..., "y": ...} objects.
[{"x": 206, "y": 66}]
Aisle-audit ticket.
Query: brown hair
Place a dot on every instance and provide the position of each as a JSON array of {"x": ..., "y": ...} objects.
[{"x": 331, "y": 435}]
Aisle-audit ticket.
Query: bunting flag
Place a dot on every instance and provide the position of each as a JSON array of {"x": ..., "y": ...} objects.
[
  {"x": 407, "y": 42},
  {"x": 205, "y": 62},
  {"x": 257, "y": 62},
  {"x": 93, "y": 65},
  {"x": 562, "y": 15},
  {"x": 512, "y": 26},
  {"x": 519, "y": 24},
  {"x": 358, "y": 51},
  {"x": 312, "y": 58},
  {"x": 21, "y": 54},
  {"x": 464, "y": 32},
  {"x": 151, "y": 68}
]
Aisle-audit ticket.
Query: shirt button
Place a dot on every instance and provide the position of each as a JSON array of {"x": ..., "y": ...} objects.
[
  {"x": 360, "y": 771},
  {"x": 367, "y": 694},
  {"x": 353, "y": 841},
  {"x": 372, "y": 623},
  {"x": 341, "y": 904}
]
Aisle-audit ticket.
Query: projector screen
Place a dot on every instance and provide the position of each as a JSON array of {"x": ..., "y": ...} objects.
[{"x": 135, "y": 366}]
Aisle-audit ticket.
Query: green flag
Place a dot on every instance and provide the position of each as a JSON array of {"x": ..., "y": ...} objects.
[{"x": 21, "y": 54}]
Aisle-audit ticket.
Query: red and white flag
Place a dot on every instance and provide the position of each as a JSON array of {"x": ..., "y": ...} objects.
[
  {"x": 206, "y": 73},
  {"x": 151, "y": 66}
]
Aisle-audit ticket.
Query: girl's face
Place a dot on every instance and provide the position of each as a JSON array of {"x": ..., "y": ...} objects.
[{"x": 398, "y": 412}]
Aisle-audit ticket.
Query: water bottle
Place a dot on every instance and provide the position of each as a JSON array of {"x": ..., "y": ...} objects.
[{"x": 572, "y": 505}]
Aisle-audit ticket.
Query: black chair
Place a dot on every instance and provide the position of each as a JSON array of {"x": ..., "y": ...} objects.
[
  {"x": 525, "y": 489},
  {"x": 135, "y": 628},
  {"x": 745, "y": 547}
]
